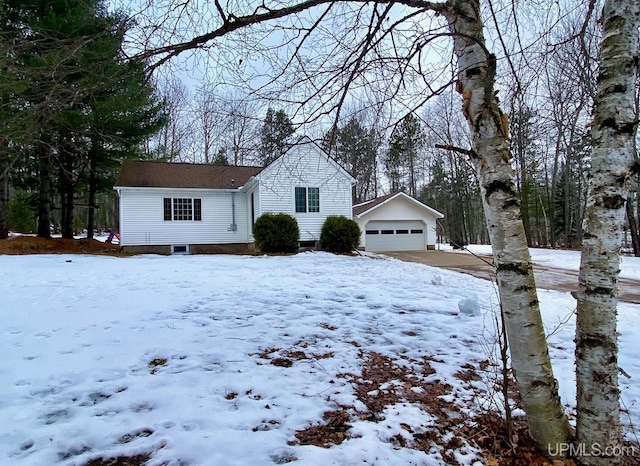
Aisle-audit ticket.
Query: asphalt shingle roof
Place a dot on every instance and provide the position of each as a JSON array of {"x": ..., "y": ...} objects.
[
  {"x": 359, "y": 208},
  {"x": 147, "y": 174}
]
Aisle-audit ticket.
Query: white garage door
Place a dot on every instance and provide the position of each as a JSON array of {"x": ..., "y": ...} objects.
[{"x": 401, "y": 235}]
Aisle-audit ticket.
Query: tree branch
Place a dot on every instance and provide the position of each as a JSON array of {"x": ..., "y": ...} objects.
[{"x": 468, "y": 152}]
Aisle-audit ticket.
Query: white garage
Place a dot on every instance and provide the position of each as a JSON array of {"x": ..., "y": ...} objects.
[{"x": 396, "y": 222}]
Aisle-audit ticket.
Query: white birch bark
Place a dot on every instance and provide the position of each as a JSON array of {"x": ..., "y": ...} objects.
[
  {"x": 490, "y": 153},
  {"x": 598, "y": 425}
]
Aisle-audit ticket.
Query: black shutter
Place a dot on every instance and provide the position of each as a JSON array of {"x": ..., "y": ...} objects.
[
  {"x": 167, "y": 208},
  {"x": 197, "y": 209}
]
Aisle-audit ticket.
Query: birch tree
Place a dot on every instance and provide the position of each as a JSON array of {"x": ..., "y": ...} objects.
[
  {"x": 613, "y": 163},
  {"x": 381, "y": 52},
  {"x": 514, "y": 272}
]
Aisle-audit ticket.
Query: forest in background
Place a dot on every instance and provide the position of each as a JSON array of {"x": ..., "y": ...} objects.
[
  {"x": 515, "y": 106},
  {"x": 70, "y": 118}
]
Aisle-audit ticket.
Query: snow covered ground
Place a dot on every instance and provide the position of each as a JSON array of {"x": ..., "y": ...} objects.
[
  {"x": 108, "y": 356},
  {"x": 558, "y": 258}
]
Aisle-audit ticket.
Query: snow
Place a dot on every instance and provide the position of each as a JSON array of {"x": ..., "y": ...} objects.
[
  {"x": 557, "y": 258},
  {"x": 108, "y": 356}
]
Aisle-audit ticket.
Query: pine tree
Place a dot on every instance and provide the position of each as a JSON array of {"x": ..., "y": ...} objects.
[
  {"x": 221, "y": 157},
  {"x": 355, "y": 148},
  {"x": 122, "y": 110},
  {"x": 275, "y": 136},
  {"x": 403, "y": 155},
  {"x": 72, "y": 94}
]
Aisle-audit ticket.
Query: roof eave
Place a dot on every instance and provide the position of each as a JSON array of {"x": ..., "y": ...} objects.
[{"x": 432, "y": 211}]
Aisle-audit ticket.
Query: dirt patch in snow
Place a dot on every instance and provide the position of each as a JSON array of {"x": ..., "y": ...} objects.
[
  {"x": 454, "y": 432},
  {"x": 34, "y": 245},
  {"x": 137, "y": 460}
]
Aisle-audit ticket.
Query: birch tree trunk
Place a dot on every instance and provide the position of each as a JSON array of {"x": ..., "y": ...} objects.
[
  {"x": 598, "y": 425},
  {"x": 514, "y": 272}
]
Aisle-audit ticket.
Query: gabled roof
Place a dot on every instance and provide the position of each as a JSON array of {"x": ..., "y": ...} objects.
[
  {"x": 307, "y": 140},
  {"x": 368, "y": 206},
  {"x": 147, "y": 174},
  {"x": 154, "y": 174}
]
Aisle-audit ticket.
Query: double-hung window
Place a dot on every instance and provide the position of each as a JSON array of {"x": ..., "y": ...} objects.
[
  {"x": 307, "y": 199},
  {"x": 182, "y": 208}
]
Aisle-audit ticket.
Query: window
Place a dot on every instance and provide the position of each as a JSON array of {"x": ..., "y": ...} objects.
[
  {"x": 416, "y": 232},
  {"x": 301, "y": 199},
  {"x": 386, "y": 232},
  {"x": 402, "y": 232},
  {"x": 182, "y": 208},
  {"x": 307, "y": 199},
  {"x": 372, "y": 232},
  {"x": 314, "y": 199}
]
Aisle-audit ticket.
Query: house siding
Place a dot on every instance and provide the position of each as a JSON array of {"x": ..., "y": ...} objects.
[
  {"x": 142, "y": 219},
  {"x": 306, "y": 166}
]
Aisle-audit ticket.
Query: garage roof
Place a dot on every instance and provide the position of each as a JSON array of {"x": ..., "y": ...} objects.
[{"x": 368, "y": 206}]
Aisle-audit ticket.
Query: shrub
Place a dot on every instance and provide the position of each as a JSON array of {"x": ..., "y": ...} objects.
[
  {"x": 339, "y": 234},
  {"x": 276, "y": 233}
]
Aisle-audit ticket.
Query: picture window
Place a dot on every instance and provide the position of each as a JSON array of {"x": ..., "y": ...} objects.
[{"x": 182, "y": 208}]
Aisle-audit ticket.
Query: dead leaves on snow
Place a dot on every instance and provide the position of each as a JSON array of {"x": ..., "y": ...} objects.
[{"x": 384, "y": 383}]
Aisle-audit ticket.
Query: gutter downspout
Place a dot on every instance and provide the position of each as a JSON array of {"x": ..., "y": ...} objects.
[{"x": 233, "y": 226}]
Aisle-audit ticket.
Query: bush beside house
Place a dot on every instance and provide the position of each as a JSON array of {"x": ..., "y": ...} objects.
[
  {"x": 339, "y": 234},
  {"x": 276, "y": 233}
]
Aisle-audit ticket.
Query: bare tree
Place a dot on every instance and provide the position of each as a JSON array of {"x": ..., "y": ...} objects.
[
  {"x": 242, "y": 128},
  {"x": 172, "y": 142},
  {"x": 450, "y": 184},
  {"x": 569, "y": 80},
  {"x": 209, "y": 128}
]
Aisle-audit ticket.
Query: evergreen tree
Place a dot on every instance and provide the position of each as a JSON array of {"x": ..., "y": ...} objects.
[
  {"x": 122, "y": 111},
  {"x": 275, "y": 136},
  {"x": 355, "y": 148},
  {"x": 221, "y": 157},
  {"x": 402, "y": 160},
  {"x": 72, "y": 96}
]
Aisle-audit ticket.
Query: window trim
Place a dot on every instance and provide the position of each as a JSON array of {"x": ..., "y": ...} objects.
[
  {"x": 306, "y": 199},
  {"x": 315, "y": 198},
  {"x": 300, "y": 199}
]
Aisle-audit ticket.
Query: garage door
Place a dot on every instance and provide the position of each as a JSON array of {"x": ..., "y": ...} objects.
[{"x": 405, "y": 235}]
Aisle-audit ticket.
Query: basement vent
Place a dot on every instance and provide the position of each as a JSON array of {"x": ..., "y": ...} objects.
[{"x": 180, "y": 249}]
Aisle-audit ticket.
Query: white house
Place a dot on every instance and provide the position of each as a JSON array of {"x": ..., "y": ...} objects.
[
  {"x": 180, "y": 207},
  {"x": 396, "y": 222}
]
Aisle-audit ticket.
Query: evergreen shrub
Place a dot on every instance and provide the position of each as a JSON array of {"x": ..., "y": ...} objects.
[
  {"x": 276, "y": 233},
  {"x": 339, "y": 234}
]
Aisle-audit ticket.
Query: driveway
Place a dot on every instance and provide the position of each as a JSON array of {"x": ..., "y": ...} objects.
[{"x": 547, "y": 278}]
